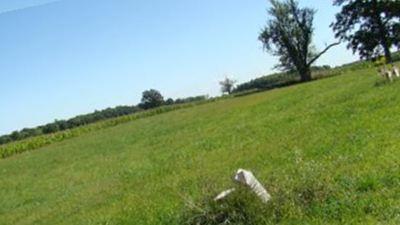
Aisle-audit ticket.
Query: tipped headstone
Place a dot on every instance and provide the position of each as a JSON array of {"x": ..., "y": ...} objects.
[{"x": 248, "y": 179}]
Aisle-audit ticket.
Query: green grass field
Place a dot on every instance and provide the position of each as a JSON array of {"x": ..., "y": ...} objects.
[{"x": 327, "y": 151}]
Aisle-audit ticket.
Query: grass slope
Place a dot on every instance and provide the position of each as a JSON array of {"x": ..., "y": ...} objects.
[{"x": 328, "y": 151}]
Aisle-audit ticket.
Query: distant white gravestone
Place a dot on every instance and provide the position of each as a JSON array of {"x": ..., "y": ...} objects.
[
  {"x": 389, "y": 74},
  {"x": 386, "y": 73},
  {"x": 396, "y": 71}
]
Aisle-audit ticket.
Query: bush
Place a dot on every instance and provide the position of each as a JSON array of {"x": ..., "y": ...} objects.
[
  {"x": 268, "y": 82},
  {"x": 191, "y": 99},
  {"x": 242, "y": 207},
  {"x": 278, "y": 80}
]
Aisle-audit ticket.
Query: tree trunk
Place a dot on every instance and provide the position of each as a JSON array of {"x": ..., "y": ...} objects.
[
  {"x": 383, "y": 32},
  {"x": 305, "y": 75},
  {"x": 388, "y": 54}
]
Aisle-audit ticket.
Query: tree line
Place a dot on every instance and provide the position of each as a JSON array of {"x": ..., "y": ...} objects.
[
  {"x": 277, "y": 80},
  {"x": 150, "y": 99}
]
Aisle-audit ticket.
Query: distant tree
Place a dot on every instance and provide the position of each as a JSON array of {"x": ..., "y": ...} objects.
[
  {"x": 15, "y": 135},
  {"x": 371, "y": 27},
  {"x": 50, "y": 128},
  {"x": 151, "y": 99},
  {"x": 227, "y": 85},
  {"x": 27, "y": 132},
  {"x": 169, "y": 101},
  {"x": 191, "y": 99},
  {"x": 326, "y": 67},
  {"x": 62, "y": 124},
  {"x": 5, "y": 139},
  {"x": 288, "y": 35}
]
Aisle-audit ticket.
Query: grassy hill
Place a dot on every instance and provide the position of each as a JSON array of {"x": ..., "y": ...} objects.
[{"x": 327, "y": 151}]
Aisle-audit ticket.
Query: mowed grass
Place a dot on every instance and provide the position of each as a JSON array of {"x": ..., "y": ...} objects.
[{"x": 327, "y": 151}]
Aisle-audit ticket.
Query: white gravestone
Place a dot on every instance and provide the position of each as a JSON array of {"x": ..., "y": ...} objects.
[{"x": 246, "y": 178}]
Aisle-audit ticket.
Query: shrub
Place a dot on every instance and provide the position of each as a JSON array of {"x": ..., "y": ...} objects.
[
  {"x": 268, "y": 82},
  {"x": 242, "y": 207}
]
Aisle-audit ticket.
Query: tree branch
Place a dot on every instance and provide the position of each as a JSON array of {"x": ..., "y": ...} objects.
[{"x": 323, "y": 52}]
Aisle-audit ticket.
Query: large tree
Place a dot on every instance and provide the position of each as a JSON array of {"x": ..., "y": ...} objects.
[
  {"x": 288, "y": 34},
  {"x": 227, "y": 85},
  {"x": 151, "y": 99},
  {"x": 371, "y": 27}
]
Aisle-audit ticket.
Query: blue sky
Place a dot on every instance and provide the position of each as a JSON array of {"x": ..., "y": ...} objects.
[{"x": 63, "y": 58}]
